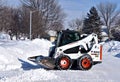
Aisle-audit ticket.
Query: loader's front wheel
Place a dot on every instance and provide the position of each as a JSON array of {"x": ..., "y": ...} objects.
[
  {"x": 85, "y": 62},
  {"x": 63, "y": 62}
]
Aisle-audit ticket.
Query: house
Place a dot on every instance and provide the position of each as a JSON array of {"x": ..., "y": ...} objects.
[
  {"x": 52, "y": 34},
  {"x": 104, "y": 33}
]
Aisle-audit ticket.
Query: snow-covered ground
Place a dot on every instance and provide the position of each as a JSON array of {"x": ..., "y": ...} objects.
[{"x": 14, "y": 66}]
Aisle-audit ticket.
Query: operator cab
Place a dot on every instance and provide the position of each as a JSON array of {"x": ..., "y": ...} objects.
[
  {"x": 63, "y": 38},
  {"x": 67, "y": 36}
]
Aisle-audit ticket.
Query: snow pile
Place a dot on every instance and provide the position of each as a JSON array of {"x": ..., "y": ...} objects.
[
  {"x": 4, "y": 36},
  {"x": 111, "y": 48},
  {"x": 14, "y": 66},
  {"x": 13, "y": 53},
  {"x": 42, "y": 42}
]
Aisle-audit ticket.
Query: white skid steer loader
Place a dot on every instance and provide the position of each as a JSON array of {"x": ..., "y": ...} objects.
[{"x": 71, "y": 47}]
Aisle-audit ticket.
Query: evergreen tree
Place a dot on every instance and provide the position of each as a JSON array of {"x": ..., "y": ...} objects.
[{"x": 92, "y": 22}]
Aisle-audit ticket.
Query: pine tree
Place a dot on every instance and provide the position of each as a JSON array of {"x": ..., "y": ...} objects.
[{"x": 92, "y": 22}]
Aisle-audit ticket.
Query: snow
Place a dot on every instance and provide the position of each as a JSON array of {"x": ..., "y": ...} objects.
[
  {"x": 14, "y": 51},
  {"x": 27, "y": 76},
  {"x": 4, "y": 36},
  {"x": 14, "y": 66}
]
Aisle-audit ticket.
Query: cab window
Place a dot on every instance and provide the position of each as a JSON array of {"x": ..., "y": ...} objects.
[{"x": 69, "y": 38}]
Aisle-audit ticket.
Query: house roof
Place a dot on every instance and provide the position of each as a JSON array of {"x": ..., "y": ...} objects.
[
  {"x": 52, "y": 33},
  {"x": 104, "y": 34}
]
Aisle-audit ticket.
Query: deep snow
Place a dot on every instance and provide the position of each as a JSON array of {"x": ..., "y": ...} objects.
[
  {"x": 14, "y": 66},
  {"x": 14, "y": 53}
]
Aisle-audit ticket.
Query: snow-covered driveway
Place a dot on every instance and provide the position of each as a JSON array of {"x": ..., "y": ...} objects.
[{"x": 14, "y": 66}]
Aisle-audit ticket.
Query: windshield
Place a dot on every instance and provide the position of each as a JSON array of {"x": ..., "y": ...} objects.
[{"x": 67, "y": 38}]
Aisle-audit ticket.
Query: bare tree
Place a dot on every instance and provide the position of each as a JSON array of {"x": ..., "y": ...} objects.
[
  {"x": 108, "y": 11},
  {"x": 16, "y": 21},
  {"x": 76, "y": 24},
  {"x": 16, "y": 25},
  {"x": 25, "y": 20},
  {"x": 10, "y": 21},
  {"x": 48, "y": 15},
  {"x": 5, "y": 19},
  {"x": 117, "y": 22},
  {"x": 3, "y": 13}
]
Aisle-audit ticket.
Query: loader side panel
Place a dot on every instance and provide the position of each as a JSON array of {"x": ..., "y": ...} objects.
[{"x": 96, "y": 53}]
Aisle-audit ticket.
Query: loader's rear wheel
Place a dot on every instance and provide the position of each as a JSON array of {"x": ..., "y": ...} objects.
[
  {"x": 85, "y": 62},
  {"x": 63, "y": 62}
]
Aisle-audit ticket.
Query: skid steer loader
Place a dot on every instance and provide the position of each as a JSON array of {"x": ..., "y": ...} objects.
[{"x": 70, "y": 47}]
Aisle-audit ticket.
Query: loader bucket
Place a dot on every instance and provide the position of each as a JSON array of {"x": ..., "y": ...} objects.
[{"x": 46, "y": 62}]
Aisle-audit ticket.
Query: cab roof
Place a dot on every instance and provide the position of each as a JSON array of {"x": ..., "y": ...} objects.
[{"x": 69, "y": 31}]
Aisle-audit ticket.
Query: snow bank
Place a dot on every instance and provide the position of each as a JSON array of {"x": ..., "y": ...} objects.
[
  {"x": 111, "y": 48},
  {"x": 42, "y": 42},
  {"x": 13, "y": 53},
  {"x": 4, "y": 36}
]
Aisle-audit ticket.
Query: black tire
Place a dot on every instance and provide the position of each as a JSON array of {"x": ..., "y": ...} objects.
[
  {"x": 63, "y": 62},
  {"x": 85, "y": 62}
]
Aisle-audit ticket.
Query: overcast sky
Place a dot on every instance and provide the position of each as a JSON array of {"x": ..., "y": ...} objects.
[{"x": 74, "y": 8}]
